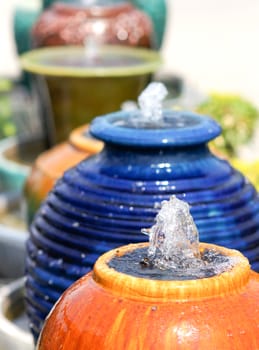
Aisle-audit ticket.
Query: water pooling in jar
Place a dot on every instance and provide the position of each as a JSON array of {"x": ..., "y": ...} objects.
[
  {"x": 149, "y": 113},
  {"x": 174, "y": 252}
]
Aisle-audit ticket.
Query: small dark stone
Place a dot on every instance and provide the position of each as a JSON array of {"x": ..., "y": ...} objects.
[{"x": 145, "y": 262}]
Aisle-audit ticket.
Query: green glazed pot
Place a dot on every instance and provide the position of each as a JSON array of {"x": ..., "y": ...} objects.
[
  {"x": 24, "y": 18},
  {"x": 73, "y": 93},
  {"x": 13, "y": 173},
  {"x": 157, "y": 11},
  {"x": 47, "y": 3}
]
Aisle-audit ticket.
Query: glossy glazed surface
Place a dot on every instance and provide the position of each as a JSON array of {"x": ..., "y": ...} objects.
[
  {"x": 105, "y": 201},
  {"x": 109, "y": 310},
  {"x": 72, "y": 95},
  {"x": 158, "y": 12},
  {"x": 73, "y": 24},
  {"x": 156, "y": 9}
]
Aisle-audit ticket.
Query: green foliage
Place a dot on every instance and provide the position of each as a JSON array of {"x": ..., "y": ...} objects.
[
  {"x": 237, "y": 117},
  {"x": 7, "y": 127}
]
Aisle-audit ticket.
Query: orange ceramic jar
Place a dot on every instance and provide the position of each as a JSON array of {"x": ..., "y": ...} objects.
[
  {"x": 51, "y": 165},
  {"x": 110, "y": 310}
]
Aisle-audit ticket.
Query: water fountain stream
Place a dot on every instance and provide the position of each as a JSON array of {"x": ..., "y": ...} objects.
[{"x": 174, "y": 251}]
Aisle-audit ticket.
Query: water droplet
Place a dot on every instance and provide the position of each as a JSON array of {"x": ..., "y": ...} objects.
[
  {"x": 75, "y": 224},
  {"x": 50, "y": 282}
]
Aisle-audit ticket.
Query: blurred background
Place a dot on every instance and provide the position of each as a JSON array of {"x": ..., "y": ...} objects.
[
  {"x": 211, "y": 43},
  {"x": 210, "y": 64}
]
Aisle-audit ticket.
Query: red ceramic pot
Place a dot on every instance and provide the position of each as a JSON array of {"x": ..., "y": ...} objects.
[
  {"x": 109, "y": 23},
  {"x": 107, "y": 309}
]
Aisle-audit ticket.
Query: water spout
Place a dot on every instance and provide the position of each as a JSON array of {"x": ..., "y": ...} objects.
[
  {"x": 148, "y": 112},
  {"x": 92, "y": 49},
  {"x": 150, "y": 102},
  {"x": 174, "y": 244}
]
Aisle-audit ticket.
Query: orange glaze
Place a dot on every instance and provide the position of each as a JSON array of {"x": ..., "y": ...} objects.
[
  {"x": 52, "y": 164},
  {"x": 110, "y": 310}
]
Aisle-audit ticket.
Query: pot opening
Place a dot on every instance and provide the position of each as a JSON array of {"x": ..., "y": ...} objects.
[
  {"x": 174, "y": 251},
  {"x": 137, "y": 263}
]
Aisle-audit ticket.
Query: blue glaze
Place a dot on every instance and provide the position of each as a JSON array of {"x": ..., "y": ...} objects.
[
  {"x": 186, "y": 129},
  {"x": 104, "y": 201}
]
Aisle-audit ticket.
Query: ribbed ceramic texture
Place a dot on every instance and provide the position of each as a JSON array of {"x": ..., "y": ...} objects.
[{"x": 104, "y": 201}]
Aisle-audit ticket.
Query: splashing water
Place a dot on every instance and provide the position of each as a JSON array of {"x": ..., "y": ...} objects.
[
  {"x": 174, "y": 237},
  {"x": 150, "y": 111},
  {"x": 174, "y": 244},
  {"x": 150, "y": 102}
]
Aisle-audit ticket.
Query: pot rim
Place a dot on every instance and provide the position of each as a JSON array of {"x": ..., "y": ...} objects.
[
  {"x": 185, "y": 290},
  {"x": 197, "y": 129},
  {"x": 34, "y": 61},
  {"x": 81, "y": 139}
]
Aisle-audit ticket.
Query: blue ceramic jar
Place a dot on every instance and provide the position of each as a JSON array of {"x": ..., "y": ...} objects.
[{"x": 104, "y": 201}]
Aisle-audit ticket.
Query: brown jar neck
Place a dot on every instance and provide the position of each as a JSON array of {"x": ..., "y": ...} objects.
[{"x": 132, "y": 287}]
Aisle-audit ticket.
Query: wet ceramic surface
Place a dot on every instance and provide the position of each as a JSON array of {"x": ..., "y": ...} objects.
[{"x": 111, "y": 310}]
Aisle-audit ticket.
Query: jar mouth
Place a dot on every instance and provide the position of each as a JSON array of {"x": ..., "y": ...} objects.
[
  {"x": 133, "y": 287},
  {"x": 72, "y": 61},
  {"x": 178, "y": 128}
]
